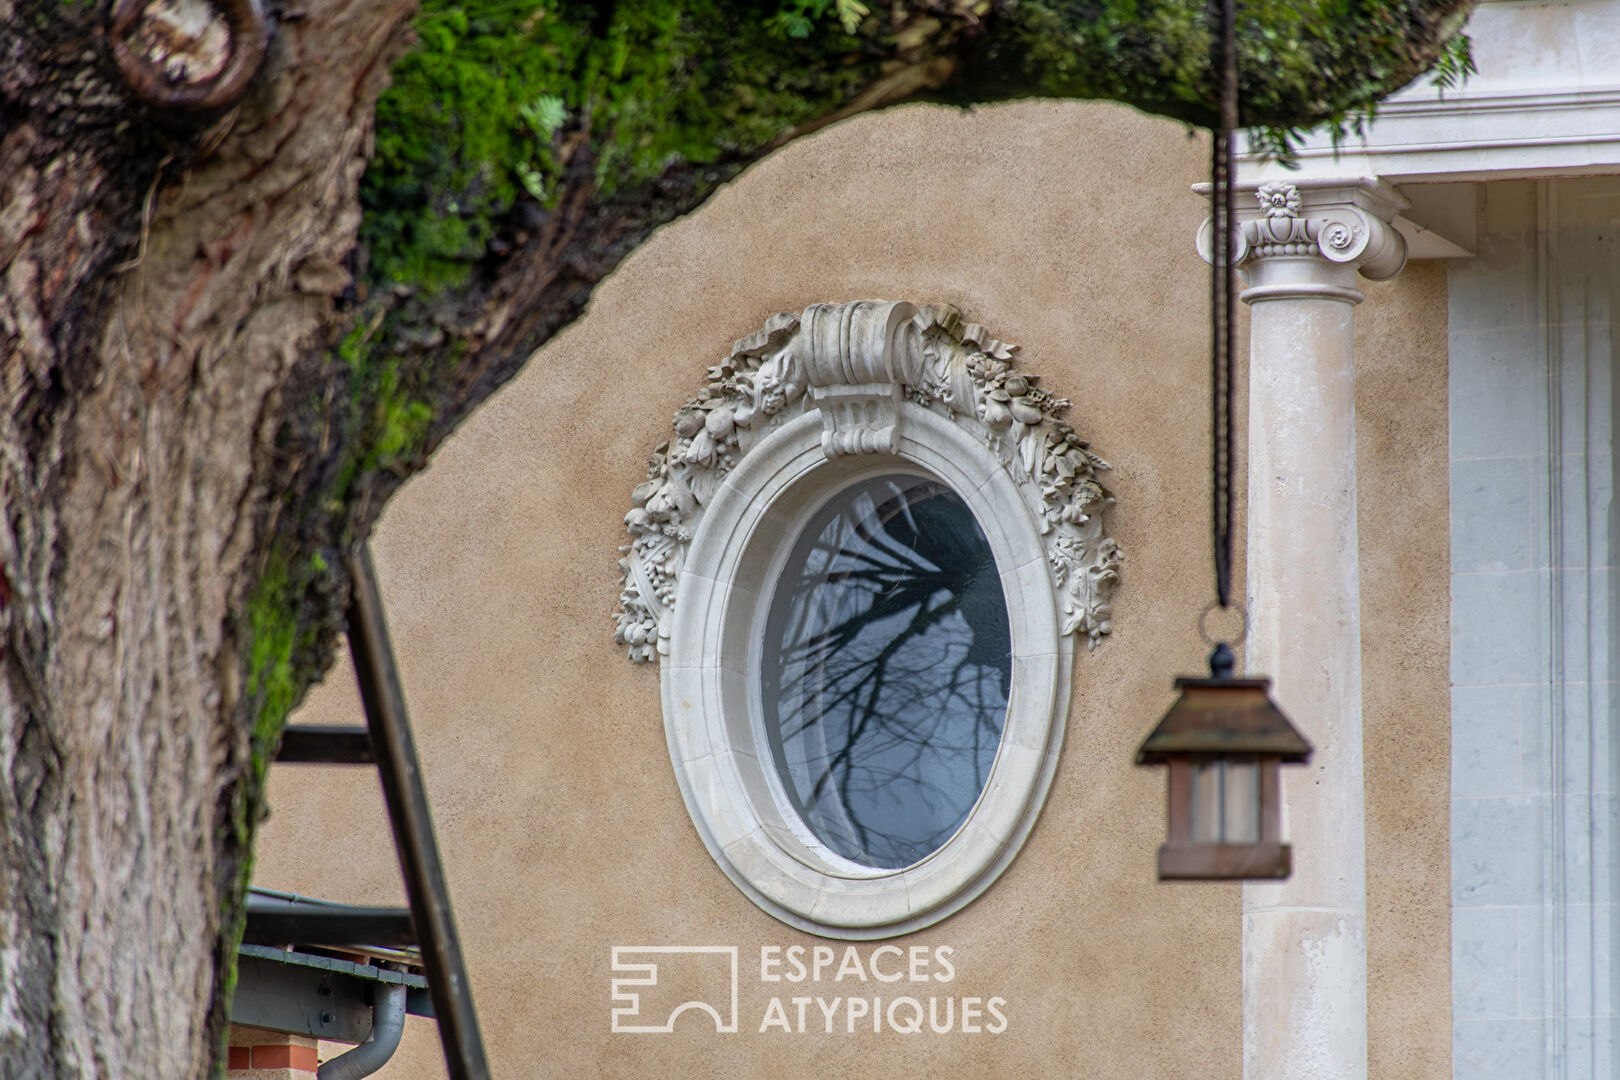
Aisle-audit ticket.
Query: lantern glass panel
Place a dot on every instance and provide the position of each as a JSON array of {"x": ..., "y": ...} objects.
[{"x": 1225, "y": 801}]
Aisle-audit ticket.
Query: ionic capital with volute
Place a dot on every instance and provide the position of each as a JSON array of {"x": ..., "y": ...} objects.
[{"x": 1310, "y": 240}]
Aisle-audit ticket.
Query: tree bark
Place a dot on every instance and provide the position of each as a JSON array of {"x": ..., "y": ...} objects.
[
  {"x": 156, "y": 300},
  {"x": 202, "y": 403}
]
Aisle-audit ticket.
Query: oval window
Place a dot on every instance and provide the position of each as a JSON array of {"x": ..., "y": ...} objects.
[
  {"x": 859, "y": 563},
  {"x": 886, "y": 669}
]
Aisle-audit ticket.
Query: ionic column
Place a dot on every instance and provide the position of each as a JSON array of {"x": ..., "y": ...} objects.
[{"x": 1300, "y": 249}]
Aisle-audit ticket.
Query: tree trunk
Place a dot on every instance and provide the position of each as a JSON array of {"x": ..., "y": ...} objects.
[
  {"x": 202, "y": 403},
  {"x": 144, "y": 385}
]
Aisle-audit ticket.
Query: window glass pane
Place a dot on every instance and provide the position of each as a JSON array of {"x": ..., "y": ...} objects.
[{"x": 885, "y": 669}]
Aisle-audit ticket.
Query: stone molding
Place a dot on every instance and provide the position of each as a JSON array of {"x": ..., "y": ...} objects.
[
  {"x": 1310, "y": 240},
  {"x": 722, "y": 754},
  {"x": 862, "y": 366}
]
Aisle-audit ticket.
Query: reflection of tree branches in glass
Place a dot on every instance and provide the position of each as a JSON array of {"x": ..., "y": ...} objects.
[{"x": 887, "y": 666}]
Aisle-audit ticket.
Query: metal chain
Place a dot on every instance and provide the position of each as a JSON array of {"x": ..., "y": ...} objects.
[{"x": 1223, "y": 294}]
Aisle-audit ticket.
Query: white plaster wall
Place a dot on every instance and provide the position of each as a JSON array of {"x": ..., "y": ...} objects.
[{"x": 1534, "y": 547}]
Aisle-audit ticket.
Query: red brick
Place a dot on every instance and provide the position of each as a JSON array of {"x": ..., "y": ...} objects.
[
  {"x": 285, "y": 1057},
  {"x": 237, "y": 1058}
]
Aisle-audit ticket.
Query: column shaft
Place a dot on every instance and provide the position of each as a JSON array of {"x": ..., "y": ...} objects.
[{"x": 1305, "y": 939}]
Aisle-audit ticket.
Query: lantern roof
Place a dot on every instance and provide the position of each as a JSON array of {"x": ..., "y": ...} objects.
[{"x": 1224, "y": 717}]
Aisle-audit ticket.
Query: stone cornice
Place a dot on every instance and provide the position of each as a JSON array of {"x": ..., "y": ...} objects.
[{"x": 1545, "y": 101}]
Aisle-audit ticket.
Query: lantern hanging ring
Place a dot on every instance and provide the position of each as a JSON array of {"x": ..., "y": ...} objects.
[{"x": 1243, "y": 624}]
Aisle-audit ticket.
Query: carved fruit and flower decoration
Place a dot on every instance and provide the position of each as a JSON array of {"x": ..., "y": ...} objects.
[{"x": 940, "y": 363}]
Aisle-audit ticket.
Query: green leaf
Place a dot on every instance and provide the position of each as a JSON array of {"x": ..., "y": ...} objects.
[{"x": 544, "y": 115}]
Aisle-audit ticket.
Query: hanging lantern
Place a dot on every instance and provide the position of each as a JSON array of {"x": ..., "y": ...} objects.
[{"x": 1224, "y": 741}]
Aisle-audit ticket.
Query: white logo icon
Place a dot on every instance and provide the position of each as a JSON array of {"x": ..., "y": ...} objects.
[{"x": 717, "y": 968}]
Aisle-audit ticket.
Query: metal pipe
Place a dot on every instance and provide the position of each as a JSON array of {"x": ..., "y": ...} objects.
[{"x": 387, "y": 1025}]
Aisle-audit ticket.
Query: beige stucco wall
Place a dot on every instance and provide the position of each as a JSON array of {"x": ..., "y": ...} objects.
[
  {"x": 1403, "y": 524},
  {"x": 1066, "y": 229}
]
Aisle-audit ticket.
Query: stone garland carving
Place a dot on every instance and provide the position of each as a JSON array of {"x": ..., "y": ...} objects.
[{"x": 856, "y": 363}]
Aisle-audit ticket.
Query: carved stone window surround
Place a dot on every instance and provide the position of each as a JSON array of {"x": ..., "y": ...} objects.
[{"x": 861, "y": 390}]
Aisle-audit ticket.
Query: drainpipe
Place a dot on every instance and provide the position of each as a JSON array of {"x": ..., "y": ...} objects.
[{"x": 387, "y": 1025}]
